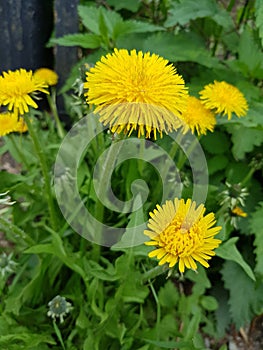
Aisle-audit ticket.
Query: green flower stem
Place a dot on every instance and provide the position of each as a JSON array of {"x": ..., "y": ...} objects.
[
  {"x": 154, "y": 272},
  {"x": 18, "y": 150},
  {"x": 106, "y": 170},
  {"x": 6, "y": 225},
  {"x": 42, "y": 159},
  {"x": 53, "y": 106},
  {"x": 248, "y": 176},
  {"x": 183, "y": 158},
  {"x": 158, "y": 306}
]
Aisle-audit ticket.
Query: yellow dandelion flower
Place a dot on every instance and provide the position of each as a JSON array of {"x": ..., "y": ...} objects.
[
  {"x": 239, "y": 212},
  {"x": 197, "y": 117},
  {"x": 181, "y": 233},
  {"x": 9, "y": 123},
  {"x": 224, "y": 98},
  {"x": 46, "y": 75},
  {"x": 17, "y": 89},
  {"x": 136, "y": 91}
]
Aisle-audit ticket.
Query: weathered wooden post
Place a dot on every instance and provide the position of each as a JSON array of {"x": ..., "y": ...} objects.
[
  {"x": 25, "y": 27},
  {"x": 66, "y": 22}
]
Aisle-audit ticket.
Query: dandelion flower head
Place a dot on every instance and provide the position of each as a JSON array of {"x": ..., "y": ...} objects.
[
  {"x": 9, "y": 123},
  {"x": 48, "y": 76},
  {"x": 224, "y": 98},
  {"x": 17, "y": 89},
  {"x": 181, "y": 233},
  {"x": 136, "y": 91},
  {"x": 197, "y": 117}
]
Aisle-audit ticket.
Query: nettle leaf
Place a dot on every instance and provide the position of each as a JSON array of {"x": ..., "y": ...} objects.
[
  {"x": 87, "y": 41},
  {"x": 223, "y": 18},
  {"x": 250, "y": 56},
  {"x": 244, "y": 296},
  {"x": 89, "y": 16},
  {"x": 181, "y": 13},
  {"x": 245, "y": 139},
  {"x": 180, "y": 48},
  {"x": 256, "y": 225},
  {"x": 259, "y": 18},
  {"x": 228, "y": 251},
  {"x": 124, "y": 28}
]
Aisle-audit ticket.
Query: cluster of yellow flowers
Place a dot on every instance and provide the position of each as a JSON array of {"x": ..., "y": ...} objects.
[
  {"x": 135, "y": 91},
  {"x": 18, "y": 90}
]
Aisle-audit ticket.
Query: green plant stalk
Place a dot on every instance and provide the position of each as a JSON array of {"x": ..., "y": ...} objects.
[
  {"x": 107, "y": 169},
  {"x": 6, "y": 225},
  {"x": 248, "y": 176},
  {"x": 183, "y": 157},
  {"x": 42, "y": 159},
  {"x": 158, "y": 306},
  {"x": 20, "y": 154},
  {"x": 53, "y": 107}
]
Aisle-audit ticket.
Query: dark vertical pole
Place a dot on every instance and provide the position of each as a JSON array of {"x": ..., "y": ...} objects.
[
  {"x": 25, "y": 27},
  {"x": 66, "y": 22}
]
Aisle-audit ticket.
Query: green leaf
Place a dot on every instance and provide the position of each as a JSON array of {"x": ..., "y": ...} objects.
[
  {"x": 134, "y": 236},
  {"x": 243, "y": 295},
  {"x": 259, "y": 18},
  {"x": 250, "y": 56},
  {"x": 228, "y": 251},
  {"x": 244, "y": 139},
  {"x": 171, "y": 344},
  {"x": 209, "y": 303},
  {"x": 256, "y": 224},
  {"x": 168, "y": 295},
  {"x": 58, "y": 333},
  {"x": 124, "y": 4},
  {"x": 216, "y": 163},
  {"x": 181, "y": 47},
  {"x": 216, "y": 143},
  {"x": 87, "y": 41},
  {"x": 181, "y": 13},
  {"x": 89, "y": 17}
]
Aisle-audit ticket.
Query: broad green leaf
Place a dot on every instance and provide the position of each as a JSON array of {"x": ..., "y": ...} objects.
[
  {"x": 244, "y": 295},
  {"x": 249, "y": 54},
  {"x": 256, "y": 224},
  {"x": 124, "y": 28},
  {"x": 87, "y": 41},
  {"x": 216, "y": 163},
  {"x": 89, "y": 17},
  {"x": 245, "y": 139},
  {"x": 186, "y": 10},
  {"x": 228, "y": 251},
  {"x": 216, "y": 143},
  {"x": 259, "y": 18},
  {"x": 168, "y": 295},
  {"x": 223, "y": 18},
  {"x": 180, "y": 48}
]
